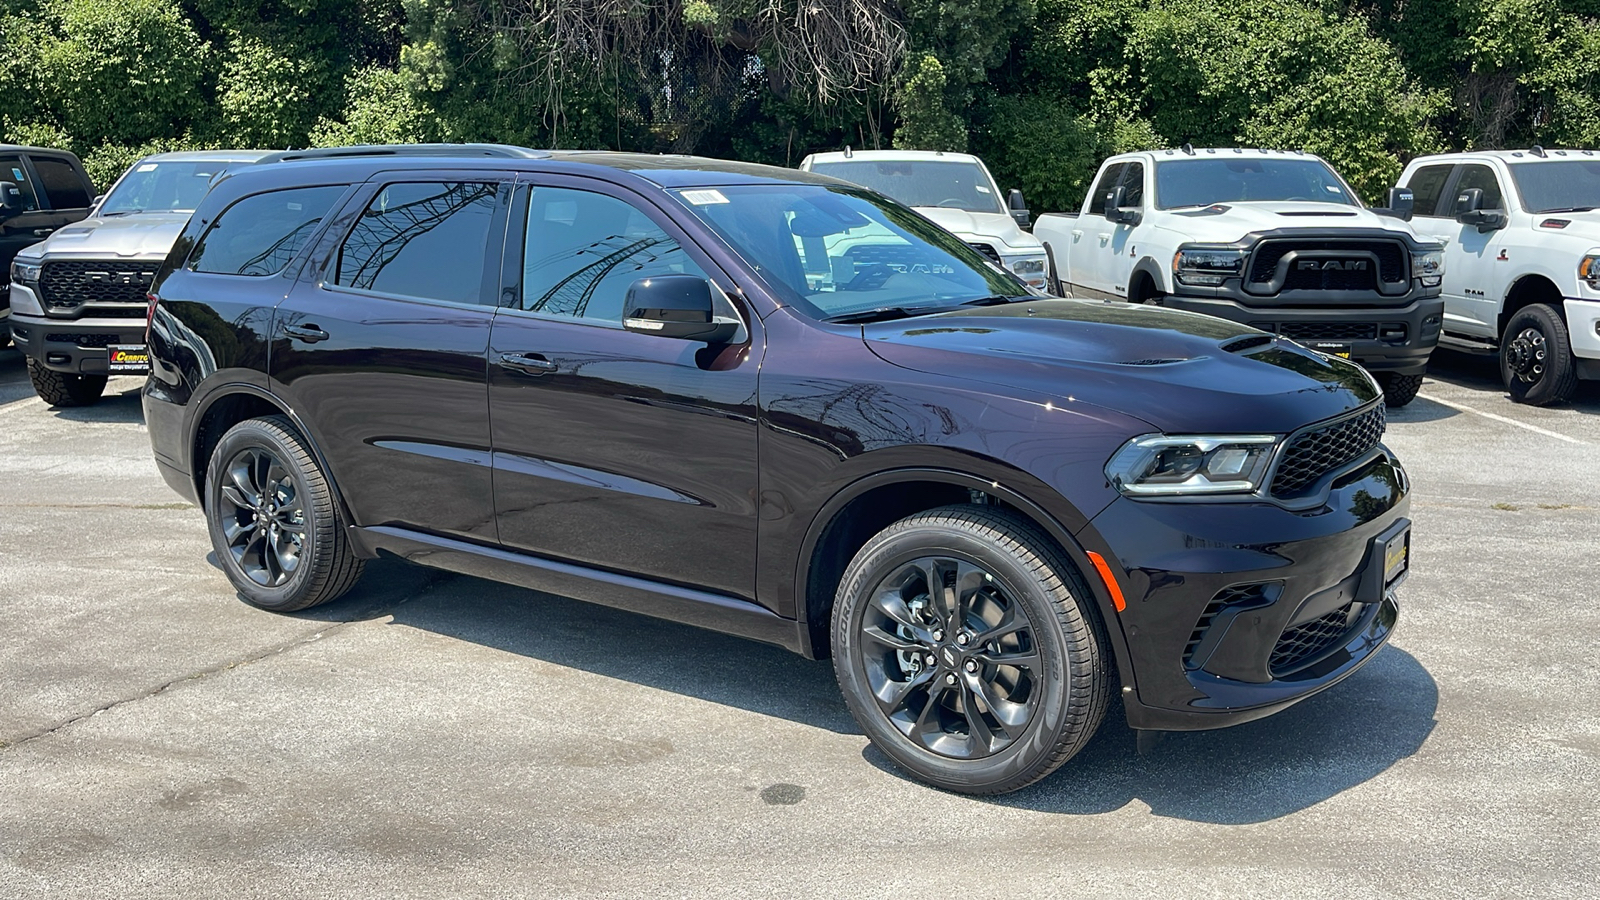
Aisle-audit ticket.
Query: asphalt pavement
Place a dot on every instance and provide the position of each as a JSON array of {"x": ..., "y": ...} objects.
[{"x": 433, "y": 735}]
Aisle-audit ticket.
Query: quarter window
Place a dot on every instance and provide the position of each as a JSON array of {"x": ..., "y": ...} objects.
[
  {"x": 261, "y": 233},
  {"x": 1482, "y": 177},
  {"x": 1427, "y": 186},
  {"x": 424, "y": 239},
  {"x": 11, "y": 170},
  {"x": 61, "y": 183},
  {"x": 1108, "y": 181},
  {"x": 582, "y": 251}
]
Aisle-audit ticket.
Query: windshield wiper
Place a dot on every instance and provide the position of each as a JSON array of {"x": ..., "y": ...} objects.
[
  {"x": 995, "y": 300},
  {"x": 881, "y": 314},
  {"x": 1568, "y": 209}
]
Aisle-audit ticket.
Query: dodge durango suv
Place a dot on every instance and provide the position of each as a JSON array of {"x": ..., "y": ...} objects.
[{"x": 775, "y": 404}]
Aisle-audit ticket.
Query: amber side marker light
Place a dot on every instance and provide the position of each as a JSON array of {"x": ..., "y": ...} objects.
[{"x": 1110, "y": 580}]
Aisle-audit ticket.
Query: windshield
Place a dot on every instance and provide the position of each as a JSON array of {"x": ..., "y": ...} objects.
[
  {"x": 176, "y": 186},
  {"x": 952, "y": 185},
  {"x": 1566, "y": 185},
  {"x": 837, "y": 251},
  {"x": 1202, "y": 182}
]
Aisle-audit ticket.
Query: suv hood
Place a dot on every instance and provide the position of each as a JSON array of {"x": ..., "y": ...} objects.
[
  {"x": 137, "y": 235},
  {"x": 1237, "y": 219},
  {"x": 1179, "y": 371},
  {"x": 986, "y": 227}
]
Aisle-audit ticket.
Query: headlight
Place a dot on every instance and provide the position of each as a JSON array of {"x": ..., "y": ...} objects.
[
  {"x": 1158, "y": 464},
  {"x": 1030, "y": 269},
  {"x": 1428, "y": 267},
  {"x": 25, "y": 273},
  {"x": 1589, "y": 270},
  {"x": 1207, "y": 267}
]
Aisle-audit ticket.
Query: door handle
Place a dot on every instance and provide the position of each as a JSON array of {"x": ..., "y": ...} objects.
[
  {"x": 1077, "y": 233},
  {"x": 1105, "y": 237},
  {"x": 527, "y": 363},
  {"x": 308, "y": 333}
]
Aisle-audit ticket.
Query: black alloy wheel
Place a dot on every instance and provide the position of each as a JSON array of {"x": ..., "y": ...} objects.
[
  {"x": 1536, "y": 357},
  {"x": 274, "y": 522},
  {"x": 967, "y": 649}
]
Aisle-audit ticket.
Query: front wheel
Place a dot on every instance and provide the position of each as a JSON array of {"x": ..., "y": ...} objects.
[
  {"x": 1398, "y": 390},
  {"x": 1536, "y": 357},
  {"x": 65, "y": 388},
  {"x": 968, "y": 650}
]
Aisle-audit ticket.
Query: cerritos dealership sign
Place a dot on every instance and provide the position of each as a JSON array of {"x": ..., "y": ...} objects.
[{"x": 128, "y": 359}]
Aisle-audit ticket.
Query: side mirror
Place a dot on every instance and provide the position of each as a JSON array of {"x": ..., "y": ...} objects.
[
  {"x": 1470, "y": 211},
  {"x": 97, "y": 199},
  {"x": 1117, "y": 210},
  {"x": 675, "y": 306},
  {"x": 1402, "y": 204},
  {"x": 1018, "y": 207},
  {"x": 10, "y": 200}
]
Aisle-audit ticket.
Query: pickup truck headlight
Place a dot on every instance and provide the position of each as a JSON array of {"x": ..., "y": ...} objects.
[
  {"x": 1030, "y": 269},
  {"x": 1589, "y": 270},
  {"x": 1428, "y": 267},
  {"x": 25, "y": 273},
  {"x": 1165, "y": 465},
  {"x": 1205, "y": 267}
]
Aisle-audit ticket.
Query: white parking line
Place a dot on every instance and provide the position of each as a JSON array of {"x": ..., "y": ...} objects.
[{"x": 1498, "y": 418}]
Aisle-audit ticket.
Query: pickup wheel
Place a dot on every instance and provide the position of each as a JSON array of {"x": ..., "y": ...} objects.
[
  {"x": 967, "y": 649},
  {"x": 1536, "y": 357},
  {"x": 1398, "y": 390},
  {"x": 273, "y": 519},
  {"x": 65, "y": 388}
]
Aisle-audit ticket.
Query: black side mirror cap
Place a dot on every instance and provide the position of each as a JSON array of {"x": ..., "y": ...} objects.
[
  {"x": 1402, "y": 204},
  {"x": 1018, "y": 207},
  {"x": 675, "y": 306},
  {"x": 1470, "y": 211},
  {"x": 10, "y": 199},
  {"x": 1119, "y": 213}
]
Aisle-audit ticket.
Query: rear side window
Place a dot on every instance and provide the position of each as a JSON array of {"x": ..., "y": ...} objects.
[
  {"x": 1482, "y": 177},
  {"x": 62, "y": 184},
  {"x": 1108, "y": 181},
  {"x": 422, "y": 239},
  {"x": 261, "y": 233},
  {"x": 1427, "y": 186},
  {"x": 11, "y": 170}
]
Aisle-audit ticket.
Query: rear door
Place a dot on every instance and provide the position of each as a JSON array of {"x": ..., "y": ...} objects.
[
  {"x": 380, "y": 348},
  {"x": 37, "y": 219}
]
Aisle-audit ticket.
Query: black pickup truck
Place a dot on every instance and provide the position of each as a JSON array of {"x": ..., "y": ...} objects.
[{"x": 40, "y": 191}]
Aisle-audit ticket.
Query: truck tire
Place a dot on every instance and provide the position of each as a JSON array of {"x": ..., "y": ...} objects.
[
  {"x": 65, "y": 388},
  {"x": 1536, "y": 356},
  {"x": 1398, "y": 390},
  {"x": 912, "y": 627}
]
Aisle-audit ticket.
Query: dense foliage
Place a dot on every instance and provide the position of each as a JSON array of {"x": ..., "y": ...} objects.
[{"x": 1043, "y": 89}]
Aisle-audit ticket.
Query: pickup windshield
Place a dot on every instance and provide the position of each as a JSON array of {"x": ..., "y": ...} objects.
[
  {"x": 162, "y": 187},
  {"x": 841, "y": 252},
  {"x": 952, "y": 185},
  {"x": 1202, "y": 182},
  {"x": 1564, "y": 185}
]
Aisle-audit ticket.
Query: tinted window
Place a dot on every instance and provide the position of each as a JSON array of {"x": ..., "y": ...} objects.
[
  {"x": 1427, "y": 185},
  {"x": 1566, "y": 185},
  {"x": 260, "y": 234},
  {"x": 176, "y": 186},
  {"x": 1108, "y": 180},
  {"x": 11, "y": 170},
  {"x": 62, "y": 184},
  {"x": 1133, "y": 185},
  {"x": 1202, "y": 182},
  {"x": 1481, "y": 177},
  {"x": 954, "y": 184},
  {"x": 422, "y": 240},
  {"x": 582, "y": 250}
]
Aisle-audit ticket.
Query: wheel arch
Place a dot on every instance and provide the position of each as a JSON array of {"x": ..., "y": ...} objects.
[
  {"x": 1145, "y": 271},
  {"x": 1051, "y": 271},
  {"x": 1526, "y": 290}
]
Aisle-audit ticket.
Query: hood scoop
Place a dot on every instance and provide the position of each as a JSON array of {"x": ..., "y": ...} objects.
[
  {"x": 1154, "y": 362},
  {"x": 1317, "y": 213},
  {"x": 1245, "y": 343}
]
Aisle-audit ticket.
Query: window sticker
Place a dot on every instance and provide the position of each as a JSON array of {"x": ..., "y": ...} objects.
[
  {"x": 147, "y": 167},
  {"x": 983, "y": 189},
  {"x": 704, "y": 198},
  {"x": 17, "y": 174},
  {"x": 1333, "y": 189}
]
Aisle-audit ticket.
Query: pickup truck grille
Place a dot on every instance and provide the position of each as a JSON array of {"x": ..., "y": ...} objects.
[
  {"x": 1320, "y": 449},
  {"x": 1392, "y": 265},
  {"x": 69, "y": 283}
]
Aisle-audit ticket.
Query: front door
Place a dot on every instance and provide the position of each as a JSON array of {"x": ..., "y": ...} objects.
[
  {"x": 380, "y": 346},
  {"x": 1122, "y": 250},
  {"x": 628, "y": 451},
  {"x": 1091, "y": 241}
]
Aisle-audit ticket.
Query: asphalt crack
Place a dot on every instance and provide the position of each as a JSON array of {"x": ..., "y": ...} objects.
[{"x": 367, "y": 614}]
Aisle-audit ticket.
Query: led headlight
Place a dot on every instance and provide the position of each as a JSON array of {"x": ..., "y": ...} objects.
[
  {"x": 1589, "y": 270},
  {"x": 25, "y": 273},
  {"x": 1207, "y": 267},
  {"x": 1428, "y": 267},
  {"x": 1030, "y": 269},
  {"x": 1165, "y": 465}
]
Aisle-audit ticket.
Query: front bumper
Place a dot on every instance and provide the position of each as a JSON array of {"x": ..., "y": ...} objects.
[
  {"x": 1342, "y": 330},
  {"x": 1583, "y": 326},
  {"x": 77, "y": 346},
  {"x": 1236, "y": 610}
]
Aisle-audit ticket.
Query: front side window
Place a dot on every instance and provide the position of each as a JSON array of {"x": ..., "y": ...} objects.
[
  {"x": 953, "y": 184},
  {"x": 1133, "y": 185},
  {"x": 261, "y": 233},
  {"x": 1184, "y": 183},
  {"x": 62, "y": 184},
  {"x": 1102, "y": 190},
  {"x": 1482, "y": 178},
  {"x": 1426, "y": 187},
  {"x": 168, "y": 186},
  {"x": 1560, "y": 186},
  {"x": 583, "y": 250},
  {"x": 840, "y": 251},
  {"x": 11, "y": 170},
  {"x": 421, "y": 239}
]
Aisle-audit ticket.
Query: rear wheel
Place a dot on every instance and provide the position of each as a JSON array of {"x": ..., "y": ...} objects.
[
  {"x": 968, "y": 651},
  {"x": 1398, "y": 390},
  {"x": 1536, "y": 357},
  {"x": 65, "y": 388}
]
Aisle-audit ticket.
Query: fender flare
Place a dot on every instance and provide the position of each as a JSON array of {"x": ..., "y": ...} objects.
[{"x": 1149, "y": 266}]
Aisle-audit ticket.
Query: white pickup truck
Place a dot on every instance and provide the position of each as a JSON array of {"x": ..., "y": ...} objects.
[
  {"x": 1521, "y": 230},
  {"x": 1276, "y": 240}
]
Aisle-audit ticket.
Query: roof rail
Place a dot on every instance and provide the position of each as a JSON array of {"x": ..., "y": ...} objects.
[{"x": 367, "y": 151}]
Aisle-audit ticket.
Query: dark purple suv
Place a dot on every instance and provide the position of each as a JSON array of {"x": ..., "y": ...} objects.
[{"x": 777, "y": 405}]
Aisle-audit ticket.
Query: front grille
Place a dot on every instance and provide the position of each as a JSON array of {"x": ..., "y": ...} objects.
[
  {"x": 987, "y": 250},
  {"x": 1309, "y": 640},
  {"x": 1248, "y": 594},
  {"x": 1329, "y": 331},
  {"x": 1391, "y": 264},
  {"x": 69, "y": 283},
  {"x": 1319, "y": 450},
  {"x": 83, "y": 340}
]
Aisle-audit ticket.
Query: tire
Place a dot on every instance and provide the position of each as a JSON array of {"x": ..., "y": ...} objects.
[
  {"x": 262, "y": 472},
  {"x": 883, "y": 621},
  {"x": 65, "y": 388},
  {"x": 1536, "y": 357},
  {"x": 1398, "y": 390}
]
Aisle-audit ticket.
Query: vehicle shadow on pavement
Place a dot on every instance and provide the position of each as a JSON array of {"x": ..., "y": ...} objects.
[
  {"x": 1255, "y": 772},
  {"x": 118, "y": 406},
  {"x": 1481, "y": 374}
]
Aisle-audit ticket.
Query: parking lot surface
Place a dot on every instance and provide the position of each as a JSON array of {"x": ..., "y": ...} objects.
[{"x": 435, "y": 735}]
